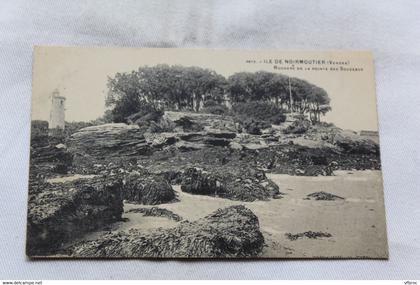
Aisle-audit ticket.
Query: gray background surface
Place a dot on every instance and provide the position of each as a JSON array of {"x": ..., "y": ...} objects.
[{"x": 390, "y": 28}]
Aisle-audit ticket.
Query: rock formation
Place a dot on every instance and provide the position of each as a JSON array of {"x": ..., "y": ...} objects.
[
  {"x": 99, "y": 144},
  {"x": 49, "y": 155},
  {"x": 229, "y": 232},
  {"x": 243, "y": 184},
  {"x": 148, "y": 190},
  {"x": 61, "y": 212}
]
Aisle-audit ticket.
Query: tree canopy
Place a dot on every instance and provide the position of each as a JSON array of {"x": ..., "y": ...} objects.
[
  {"x": 192, "y": 88},
  {"x": 163, "y": 86}
]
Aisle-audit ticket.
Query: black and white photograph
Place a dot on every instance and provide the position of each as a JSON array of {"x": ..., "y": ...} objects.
[{"x": 195, "y": 153}]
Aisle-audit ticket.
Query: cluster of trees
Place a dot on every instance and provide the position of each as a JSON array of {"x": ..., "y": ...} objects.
[
  {"x": 169, "y": 87},
  {"x": 291, "y": 94},
  {"x": 194, "y": 88}
]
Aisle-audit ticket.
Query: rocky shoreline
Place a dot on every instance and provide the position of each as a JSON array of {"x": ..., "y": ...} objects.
[{"x": 205, "y": 154}]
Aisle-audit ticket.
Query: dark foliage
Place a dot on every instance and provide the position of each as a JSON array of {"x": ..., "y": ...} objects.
[
  {"x": 255, "y": 116},
  {"x": 253, "y": 126},
  {"x": 39, "y": 128},
  {"x": 299, "y": 126},
  {"x": 146, "y": 113},
  {"x": 259, "y": 111},
  {"x": 192, "y": 88},
  {"x": 216, "y": 109}
]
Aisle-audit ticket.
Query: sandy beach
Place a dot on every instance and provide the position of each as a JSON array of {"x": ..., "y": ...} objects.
[{"x": 356, "y": 223}]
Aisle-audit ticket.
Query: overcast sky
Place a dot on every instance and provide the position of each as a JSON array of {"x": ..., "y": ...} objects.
[{"x": 80, "y": 74}]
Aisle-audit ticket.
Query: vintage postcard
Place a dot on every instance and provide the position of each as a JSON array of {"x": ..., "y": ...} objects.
[{"x": 190, "y": 153}]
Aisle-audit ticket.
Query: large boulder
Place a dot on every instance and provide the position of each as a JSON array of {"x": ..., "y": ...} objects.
[
  {"x": 196, "y": 181},
  {"x": 229, "y": 232},
  {"x": 243, "y": 184},
  {"x": 61, "y": 212},
  {"x": 148, "y": 190}
]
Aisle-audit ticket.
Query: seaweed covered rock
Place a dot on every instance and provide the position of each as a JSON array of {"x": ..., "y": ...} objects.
[
  {"x": 60, "y": 212},
  {"x": 229, "y": 232},
  {"x": 308, "y": 234},
  {"x": 148, "y": 190},
  {"x": 243, "y": 184},
  {"x": 157, "y": 212},
  {"x": 195, "y": 181},
  {"x": 323, "y": 196}
]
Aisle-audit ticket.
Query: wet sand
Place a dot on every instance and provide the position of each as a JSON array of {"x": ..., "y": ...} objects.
[{"x": 357, "y": 223}]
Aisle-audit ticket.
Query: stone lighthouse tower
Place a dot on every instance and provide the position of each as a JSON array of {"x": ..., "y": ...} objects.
[{"x": 57, "y": 111}]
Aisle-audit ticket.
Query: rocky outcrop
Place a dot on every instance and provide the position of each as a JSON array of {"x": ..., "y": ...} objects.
[
  {"x": 189, "y": 141},
  {"x": 61, "y": 212},
  {"x": 49, "y": 155},
  {"x": 148, "y": 190},
  {"x": 301, "y": 160},
  {"x": 243, "y": 184},
  {"x": 346, "y": 141},
  {"x": 208, "y": 138},
  {"x": 196, "y": 181},
  {"x": 160, "y": 140},
  {"x": 229, "y": 232},
  {"x": 245, "y": 141},
  {"x": 187, "y": 124},
  {"x": 99, "y": 144},
  {"x": 355, "y": 144}
]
